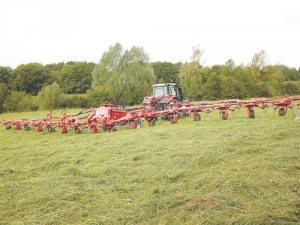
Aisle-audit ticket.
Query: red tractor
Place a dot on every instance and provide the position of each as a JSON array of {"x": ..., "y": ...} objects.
[{"x": 163, "y": 95}]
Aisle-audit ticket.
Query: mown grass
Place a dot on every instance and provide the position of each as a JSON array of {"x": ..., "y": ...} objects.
[{"x": 238, "y": 171}]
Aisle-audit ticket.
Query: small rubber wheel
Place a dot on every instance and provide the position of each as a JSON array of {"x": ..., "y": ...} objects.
[
  {"x": 51, "y": 129},
  {"x": 224, "y": 115},
  {"x": 252, "y": 114},
  {"x": 281, "y": 112},
  {"x": 197, "y": 117},
  {"x": 151, "y": 123},
  {"x": 138, "y": 124},
  {"x": 7, "y": 126},
  {"x": 27, "y": 127},
  {"x": 78, "y": 130}
]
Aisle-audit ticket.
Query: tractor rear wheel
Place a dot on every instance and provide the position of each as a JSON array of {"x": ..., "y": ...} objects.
[
  {"x": 281, "y": 112},
  {"x": 252, "y": 114}
]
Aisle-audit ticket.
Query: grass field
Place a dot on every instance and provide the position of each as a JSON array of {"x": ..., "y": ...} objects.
[{"x": 213, "y": 171}]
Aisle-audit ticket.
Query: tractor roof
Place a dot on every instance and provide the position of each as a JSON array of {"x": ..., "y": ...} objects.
[{"x": 165, "y": 84}]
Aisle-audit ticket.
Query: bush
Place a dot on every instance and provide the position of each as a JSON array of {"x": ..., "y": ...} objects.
[
  {"x": 100, "y": 94},
  {"x": 19, "y": 102},
  {"x": 3, "y": 95},
  {"x": 292, "y": 87},
  {"x": 75, "y": 101},
  {"x": 51, "y": 97}
]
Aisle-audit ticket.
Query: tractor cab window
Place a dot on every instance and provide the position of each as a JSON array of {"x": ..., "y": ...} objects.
[
  {"x": 159, "y": 91},
  {"x": 172, "y": 90}
]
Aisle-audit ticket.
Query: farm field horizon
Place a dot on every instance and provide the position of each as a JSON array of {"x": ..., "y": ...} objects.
[{"x": 213, "y": 171}]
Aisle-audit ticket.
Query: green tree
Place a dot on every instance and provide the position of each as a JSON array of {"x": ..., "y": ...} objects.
[
  {"x": 100, "y": 95},
  {"x": 3, "y": 95},
  {"x": 19, "y": 102},
  {"x": 30, "y": 78},
  {"x": 191, "y": 80},
  {"x": 128, "y": 74},
  {"x": 76, "y": 78},
  {"x": 51, "y": 97},
  {"x": 291, "y": 88},
  {"x": 6, "y": 76},
  {"x": 166, "y": 71}
]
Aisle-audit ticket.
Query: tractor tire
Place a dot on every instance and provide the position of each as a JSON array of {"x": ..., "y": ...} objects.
[
  {"x": 51, "y": 129},
  {"x": 252, "y": 114},
  {"x": 281, "y": 112}
]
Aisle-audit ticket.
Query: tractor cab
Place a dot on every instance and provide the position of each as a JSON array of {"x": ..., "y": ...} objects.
[
  {"x": 162, "y": 95},
  {"x": 170, "y": 91}
]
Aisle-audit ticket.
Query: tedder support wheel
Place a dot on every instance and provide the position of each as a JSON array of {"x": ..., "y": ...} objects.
[
  {"x": 138, "y": 124},
  {"x": 197, "y": 117},
  {"x": 8, "y": 126},
  {"x": 281, "y": 112},
  {"x": 252, "y": 114},
  {"x": 224, "y": 115},
  {"x": 151, "y": 123},
  {"x": 51, "y": 129},
  {"x": 78, "y": 130},
  {"x": 27, "y": 127}
]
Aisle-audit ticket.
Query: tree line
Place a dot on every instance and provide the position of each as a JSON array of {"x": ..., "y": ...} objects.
[{"x": 128, "y": 74}]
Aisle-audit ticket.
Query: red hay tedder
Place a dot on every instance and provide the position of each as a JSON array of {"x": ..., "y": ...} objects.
[{"x": 166, "y": 103}]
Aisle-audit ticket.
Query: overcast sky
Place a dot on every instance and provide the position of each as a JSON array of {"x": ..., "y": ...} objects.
[{"x": 52, "y": 31}]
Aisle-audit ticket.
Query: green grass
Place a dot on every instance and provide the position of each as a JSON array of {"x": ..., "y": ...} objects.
[{"x": 235, "y": 171}]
